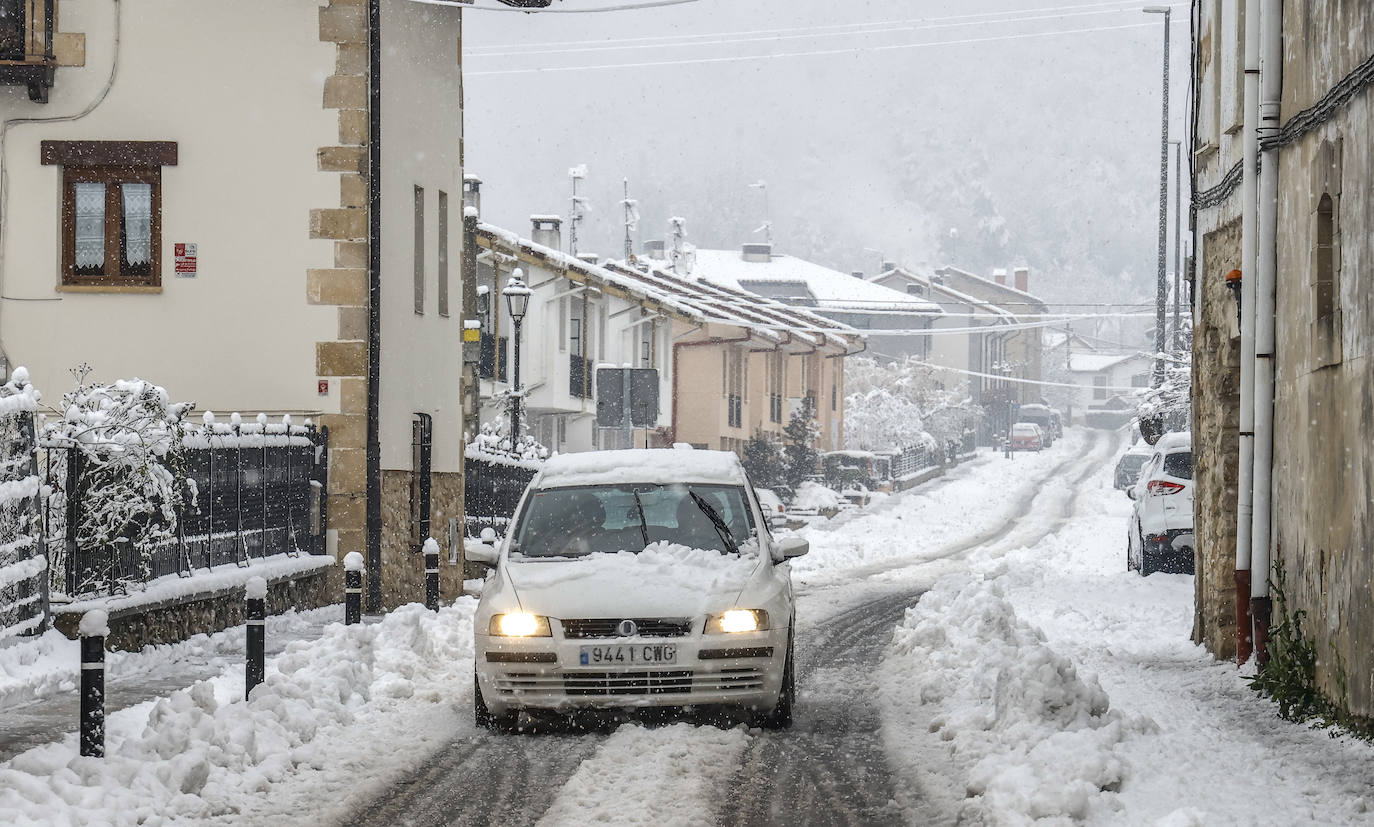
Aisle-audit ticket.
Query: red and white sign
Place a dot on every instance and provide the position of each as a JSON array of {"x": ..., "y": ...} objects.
[
  {"x": 185, "y": 255},
  {"x": 323, "y": 387}
]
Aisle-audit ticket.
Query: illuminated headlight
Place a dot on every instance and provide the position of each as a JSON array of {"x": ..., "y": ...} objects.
[
  {"x": 519, "y": 624},
  {"x": 737, "y": 620}
]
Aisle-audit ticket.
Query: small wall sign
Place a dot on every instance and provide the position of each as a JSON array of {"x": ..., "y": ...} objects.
[
  {"x": 323, "y": 386},
  {"x": 185, "y": 264}
]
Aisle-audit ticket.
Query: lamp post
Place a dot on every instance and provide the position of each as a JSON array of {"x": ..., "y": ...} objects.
[
  {"x": 517, "y": 302},
  {"x": 1178, "y": 242},
  {"x": 1161, "y": 283}
]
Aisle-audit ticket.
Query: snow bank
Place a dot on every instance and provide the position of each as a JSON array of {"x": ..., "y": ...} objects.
[
  {"x": 665, "y": 776},
  {"x": 1031, "y": 737},
  {"x": 204, "y": 752}
]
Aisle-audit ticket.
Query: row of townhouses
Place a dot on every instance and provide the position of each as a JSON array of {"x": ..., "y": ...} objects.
[{"x": 1284, "y": 308}]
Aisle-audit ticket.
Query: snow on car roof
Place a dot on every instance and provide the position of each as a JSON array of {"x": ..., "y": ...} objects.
[
  {"x": 652, "y": 465},
  {"x": 1174, "y": 440}
]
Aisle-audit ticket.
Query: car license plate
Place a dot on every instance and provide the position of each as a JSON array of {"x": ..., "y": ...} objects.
[{"x": 628, "y": 654}]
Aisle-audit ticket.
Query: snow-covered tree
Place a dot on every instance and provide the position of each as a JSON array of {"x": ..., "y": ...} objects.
[
  {"x": 893, "y": 405},
  {"x": 764, "y": 461},
  {"x": 800, "y": 454},
  {"x": 125, "y": 442},
  {"x": 1169, "y": 407},
  {"x": 494, "y": 440}
]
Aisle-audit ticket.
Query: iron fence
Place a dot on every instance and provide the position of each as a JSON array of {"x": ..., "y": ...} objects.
[
  {"x": 492, "y": 489},
  {"x": 251, "y": 491},
  {"x": 23, "y": 564}
]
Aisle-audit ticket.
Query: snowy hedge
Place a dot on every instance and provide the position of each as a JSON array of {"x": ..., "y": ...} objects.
[{"x": 21, "y": 564}]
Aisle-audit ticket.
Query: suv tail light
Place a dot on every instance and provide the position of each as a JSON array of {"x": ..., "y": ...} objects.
[{"x": 1163, "y": 487}]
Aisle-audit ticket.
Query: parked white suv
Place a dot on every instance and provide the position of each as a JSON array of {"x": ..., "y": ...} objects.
[
  {"x": 1161, "y": 531},
  {"x": 643, "y": 578}
]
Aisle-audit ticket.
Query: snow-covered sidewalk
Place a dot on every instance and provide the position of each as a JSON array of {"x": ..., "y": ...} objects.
[{"x": 1049, "y": 683}]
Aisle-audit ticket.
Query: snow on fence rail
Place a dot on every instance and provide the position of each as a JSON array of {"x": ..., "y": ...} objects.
[
  {"x": 23, "y": 564},
  {"x": 223, "y": 493}
]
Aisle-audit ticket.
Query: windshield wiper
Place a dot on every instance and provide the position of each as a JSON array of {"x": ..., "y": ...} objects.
[
  {"x": 643, "y": 524},
  {"x": 716, "y": 522}
]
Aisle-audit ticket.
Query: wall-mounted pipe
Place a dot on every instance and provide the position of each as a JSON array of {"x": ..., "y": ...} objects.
[
  {"x": 374, "y": 306},
  {"x": 1249, "y": 242},
  {"x": 1266, "y": 271}
]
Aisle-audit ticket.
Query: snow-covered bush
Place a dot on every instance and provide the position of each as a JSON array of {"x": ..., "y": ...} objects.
[
  {"x": 494, "y": 441},
  {"x": 1169, "y": 407},
  {"x": 125, "y": 440},
  {"x": 763, "y": 460},
  {"x": 21, "y": 564}
]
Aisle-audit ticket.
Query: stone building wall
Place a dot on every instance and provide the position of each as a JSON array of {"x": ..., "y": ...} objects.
[
  {"x": 1324, "y": 396},
  {"x": 1216, "y": 439},
  {"x": 403, "y": 566}
]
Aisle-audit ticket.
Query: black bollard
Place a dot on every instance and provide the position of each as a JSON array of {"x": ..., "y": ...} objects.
[
  {"x": 255, "y": 668},
  {"x": 353, "y": 588},
  {"x": 431, "y": 549},
  {"x": 94, "y": 628}
]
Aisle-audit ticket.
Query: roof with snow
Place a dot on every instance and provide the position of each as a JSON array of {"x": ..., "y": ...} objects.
[
  {"x": 688, "y": 299},
  {"x": 1030, "y": 300},
  {"x": 662, "y": 466},
  {"x": 944, "y": 289},
  {"x": 823, "y": 288},
  {"x": 1094, "y": 362}
]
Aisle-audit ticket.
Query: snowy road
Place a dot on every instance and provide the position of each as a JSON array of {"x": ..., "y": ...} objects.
[{"x": 831, "y": 767}]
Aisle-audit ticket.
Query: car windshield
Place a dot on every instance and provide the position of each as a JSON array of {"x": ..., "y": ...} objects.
[
  {"x": 1179, "y": 465},
  {"x": 572, "y": 522},
  {"x": 1023, "y": 429}
]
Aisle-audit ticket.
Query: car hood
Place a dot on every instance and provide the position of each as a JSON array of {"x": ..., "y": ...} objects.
[{"x": 664, "y": 580}]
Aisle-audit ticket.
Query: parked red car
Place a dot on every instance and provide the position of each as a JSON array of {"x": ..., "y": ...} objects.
[{"x": 1026, "y": 436}]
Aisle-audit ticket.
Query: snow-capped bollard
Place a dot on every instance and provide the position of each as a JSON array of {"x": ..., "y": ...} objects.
[
  {"x": 255, "y": 669},
  {"x": 353, "y": 588},
  {"x": 94, "y": 628},
  {"x": 431, "y": 550}
]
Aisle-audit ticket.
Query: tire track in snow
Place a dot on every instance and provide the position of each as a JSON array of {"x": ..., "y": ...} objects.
[{"x": 831, "y": 767}]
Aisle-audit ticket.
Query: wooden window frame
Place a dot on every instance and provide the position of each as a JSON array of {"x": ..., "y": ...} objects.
[{"x": 111, "y": 177}]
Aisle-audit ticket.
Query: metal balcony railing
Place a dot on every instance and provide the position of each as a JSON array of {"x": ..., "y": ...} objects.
[{"x": 26, "y": 46}]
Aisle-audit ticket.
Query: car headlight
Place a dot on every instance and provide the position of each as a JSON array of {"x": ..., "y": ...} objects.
[
  {"x": 737, "y": 620},
  {"x": 519, "y": 624}
]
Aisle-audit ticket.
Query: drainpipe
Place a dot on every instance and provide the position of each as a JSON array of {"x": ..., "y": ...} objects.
[
  {"x": 677, "y": 348},
  {"x": 1249, "y": 243},
  {"x": 1271, "y": 91},
  {"x": 374, "y": 306}
]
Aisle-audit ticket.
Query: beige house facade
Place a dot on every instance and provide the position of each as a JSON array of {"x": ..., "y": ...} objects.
[{"x": 222, "y": 226}]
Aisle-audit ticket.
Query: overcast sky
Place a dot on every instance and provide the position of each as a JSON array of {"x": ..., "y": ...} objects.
[{"x": 1029, "y": 128}]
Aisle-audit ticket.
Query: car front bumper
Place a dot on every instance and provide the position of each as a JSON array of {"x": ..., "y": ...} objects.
[{"x": 743, "y": 670}]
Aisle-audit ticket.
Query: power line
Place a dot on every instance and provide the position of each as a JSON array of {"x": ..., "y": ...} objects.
[
  {"x": 1128, "y": 6},
  {"x": 813, "y": 53},
  {"x": 879, "y": 28},
  {"x": 468, "y": 4}
]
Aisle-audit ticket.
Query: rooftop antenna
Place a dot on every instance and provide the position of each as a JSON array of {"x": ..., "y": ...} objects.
[
  {"x": 579, "y": 207},
  {"x": 631, "y": 221},
  {"x": 767, "y": 228}
]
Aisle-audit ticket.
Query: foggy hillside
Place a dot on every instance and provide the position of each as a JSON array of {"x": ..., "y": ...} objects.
[{"x": 1030, "y": 129}]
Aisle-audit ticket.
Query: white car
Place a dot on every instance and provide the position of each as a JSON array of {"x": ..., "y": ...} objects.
[
  {"x": 772, "y": 507},
  {"x": 1161, "y": 532},
  {"x": 641, "y": 578}
]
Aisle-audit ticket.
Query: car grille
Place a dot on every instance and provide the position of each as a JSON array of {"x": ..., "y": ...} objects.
[
  {"x": 606, "y": 627},
  {"x": 630, "y": 683}
]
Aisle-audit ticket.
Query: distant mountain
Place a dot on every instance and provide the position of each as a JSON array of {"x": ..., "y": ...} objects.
[{"x": 1019, "y": 138}]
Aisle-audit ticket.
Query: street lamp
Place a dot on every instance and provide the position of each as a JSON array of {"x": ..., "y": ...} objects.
[
  {"x": 1161, "y": 282},
  {"x": 517, "y": 302}
]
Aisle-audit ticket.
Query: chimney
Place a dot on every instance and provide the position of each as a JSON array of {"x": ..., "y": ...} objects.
[
  {"x": 762, "y": 253},
  {"x": 589, "y": 258},
  {"x": 888, "y": 266},
  {"x": 858, "y": 274},
  {"x": 654, "y": 249},
  {"x": 1000, "y": 276},
  {"x": 472, "y": 193},
  {"x": 1021, "y": 277},
  {"x": 547, "y": 231}
]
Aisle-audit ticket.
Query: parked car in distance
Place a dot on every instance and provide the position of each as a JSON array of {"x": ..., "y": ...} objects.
[
  {"x": 1051, "y": 426},
  {"x": 636, "y": 579},
  {"x": 1026, "y": 436},
  {"x": 1129, "y": 465},
  {"x": 1160, "y": 537},
  {"x": 772, "y": 507}
]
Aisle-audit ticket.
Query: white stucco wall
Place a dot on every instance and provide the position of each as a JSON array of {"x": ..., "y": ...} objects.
[
  {"x": 238, "y": 86},
  {"x": 421, "y": 357}
]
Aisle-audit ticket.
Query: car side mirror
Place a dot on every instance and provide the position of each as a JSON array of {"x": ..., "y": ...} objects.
[
  {"x": 789, "y": 547},
  {"x": 483, "y": 552},
  {"x": 1130, "y": 492}
]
